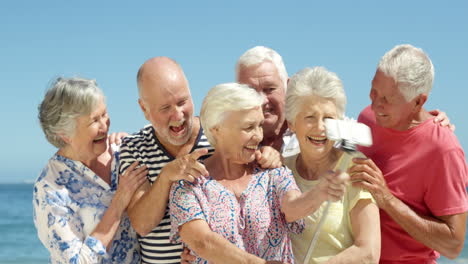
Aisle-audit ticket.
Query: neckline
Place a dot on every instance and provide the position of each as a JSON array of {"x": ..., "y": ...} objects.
[
  {"x": 83, "y": 171},
  {"x": 163, "y": 149}
]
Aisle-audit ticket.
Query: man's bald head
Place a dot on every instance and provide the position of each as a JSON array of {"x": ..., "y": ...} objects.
[
  {"x": 165, "y": 100},
  {"x": 159, "y": 70}
]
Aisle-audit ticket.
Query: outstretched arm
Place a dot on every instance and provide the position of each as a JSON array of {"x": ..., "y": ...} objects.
[{"x": 297, "y": 205}]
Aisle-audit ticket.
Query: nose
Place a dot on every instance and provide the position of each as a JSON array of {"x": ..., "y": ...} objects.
[
  {"x": 321, "y": 124},
  {"x": 177, "y": 113},
  {"x": 104, "y": 123},
  {"x": 258, "y": 134}
]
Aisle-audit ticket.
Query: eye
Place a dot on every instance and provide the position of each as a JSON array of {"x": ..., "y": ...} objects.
[
  {"x": 164, "y": 108},
  {"x": 181, "y": 103},
  {"x": 249, "y": 128},
  {"x": 269, "y": 90}
]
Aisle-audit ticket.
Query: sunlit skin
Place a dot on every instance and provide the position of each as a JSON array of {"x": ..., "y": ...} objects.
[
  {"x": 238, "y": 137},
  {"x": 166, "y": 102},
  {"x": 317, "y": 152},
  {"x": 90, "y": 137},
  {"x": 390, "y": 108},
  {"x": 265, "y": 79}
]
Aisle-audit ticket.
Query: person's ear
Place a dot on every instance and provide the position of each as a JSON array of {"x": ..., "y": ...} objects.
[
  {"x": 215, "y": 131},
  {"x": 145, "y": 109},
  {"x": 65, "y": 138},
  {"x": 419, "y": 102}
]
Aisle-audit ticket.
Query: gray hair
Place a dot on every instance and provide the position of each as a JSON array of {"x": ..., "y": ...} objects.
[
  {"x": 259, "y": 54},
  {"x": 65, "y": 101},
  {"x": 410, "y": 68},
  {"x": 224, "y": 98},
  {"x": 316, "y": 81}
]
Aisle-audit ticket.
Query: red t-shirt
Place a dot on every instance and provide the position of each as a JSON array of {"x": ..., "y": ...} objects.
[{"x": 425, "y": 167}]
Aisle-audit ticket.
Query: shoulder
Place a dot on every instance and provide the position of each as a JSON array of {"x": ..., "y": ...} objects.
[
  {"x": 367, "y": 116},
  {"x": 202, "y": 140},
  {"x": 52, "y": 182},
  {"x": 441, "y": 139},
  {"x": 290, "y": 161},
  {"x": 144, "y": 136}
]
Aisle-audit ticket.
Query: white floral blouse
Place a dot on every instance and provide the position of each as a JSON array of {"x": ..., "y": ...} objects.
[{"x": 69, "y": 201}]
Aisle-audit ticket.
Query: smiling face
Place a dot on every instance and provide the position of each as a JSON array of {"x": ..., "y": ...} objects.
[
  {"x": 390, "y": 108},
  {"x": 264, "y": 78},
  {"x": 239, "y": 135},
  {"x": 166, "y": 101},
  {"x": 90, "y": 137},
  {"x": 309, "y": 126}
]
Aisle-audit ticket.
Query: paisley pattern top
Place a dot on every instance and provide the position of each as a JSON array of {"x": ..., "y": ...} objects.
[
  {"x": 254, "y": 222},
  {"x": 69, "y": 200}
]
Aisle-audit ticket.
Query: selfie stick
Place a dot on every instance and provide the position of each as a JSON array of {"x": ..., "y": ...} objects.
[{"x": 348, "y": 134}]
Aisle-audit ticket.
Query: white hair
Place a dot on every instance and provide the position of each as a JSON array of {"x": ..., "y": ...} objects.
[
  {"x": 259, "y": 54},
  {"x": 224, "y": 98},
  {"x": 316, "y": 81},
  {"x": 410, "y": 68},
  {"x": 65, "y": 101}
]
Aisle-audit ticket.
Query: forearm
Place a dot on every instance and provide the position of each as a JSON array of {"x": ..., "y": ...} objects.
[
  {"x": 148, "y": 208},
  {"x": 355, "y": 255},
  {"x": 215, "y": 248},
  {"x": 430, "y": 231},
  {"x": 296, "y": 206},
  {"x": 105, "y": 230}
]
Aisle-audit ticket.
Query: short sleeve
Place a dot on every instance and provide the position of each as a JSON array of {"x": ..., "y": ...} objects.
[
  {"x": 446, "y": 189},
  {"x": 184, "y": 206},
  {"x": 284, "y": 182},
  {"x": 356, "y": 194}
]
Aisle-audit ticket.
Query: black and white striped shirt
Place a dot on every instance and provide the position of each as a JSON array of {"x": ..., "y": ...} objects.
[{"x": 146, "y": 149}]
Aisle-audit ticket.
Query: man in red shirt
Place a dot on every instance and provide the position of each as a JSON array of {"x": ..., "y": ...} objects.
[{"x": 416, "y": 169}]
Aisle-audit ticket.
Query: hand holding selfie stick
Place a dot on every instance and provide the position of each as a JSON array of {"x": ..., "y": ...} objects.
[{"x": 347, "y": 134}]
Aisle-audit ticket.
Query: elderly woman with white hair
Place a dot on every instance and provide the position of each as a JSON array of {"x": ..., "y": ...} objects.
[
  {"x": 351, "y": 231},
  {"x": 79, "y": 201},
  {"x": 241, "y": 213}
]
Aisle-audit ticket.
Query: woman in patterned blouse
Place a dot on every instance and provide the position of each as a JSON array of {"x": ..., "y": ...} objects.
[
  {"x": 79, "y": 201},
  {"x": 240, "y": 212}
]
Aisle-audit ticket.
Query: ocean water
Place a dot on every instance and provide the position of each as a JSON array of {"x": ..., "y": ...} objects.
[{"x": 18, "y": 238}]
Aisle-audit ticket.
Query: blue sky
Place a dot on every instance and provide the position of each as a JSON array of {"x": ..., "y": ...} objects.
[{"x": 109, "y": 40}]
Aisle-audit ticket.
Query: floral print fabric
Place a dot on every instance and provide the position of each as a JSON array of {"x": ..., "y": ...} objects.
[
  {"x": 254, "y": 223},
  {"x": 69, "y": 200}
]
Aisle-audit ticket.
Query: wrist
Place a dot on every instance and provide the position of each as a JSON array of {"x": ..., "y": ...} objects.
[
  {"x": 388, "y": 201},
  {"x": 117, "y": 205}
]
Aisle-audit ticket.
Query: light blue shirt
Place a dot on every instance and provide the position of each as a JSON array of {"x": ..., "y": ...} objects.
[{"x": 69, "y": 201}]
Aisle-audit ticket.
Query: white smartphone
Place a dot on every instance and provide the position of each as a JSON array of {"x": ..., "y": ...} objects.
[{"x": 349, "y": 130}]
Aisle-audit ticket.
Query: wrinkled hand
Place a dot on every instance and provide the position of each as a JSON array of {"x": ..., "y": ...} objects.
[
  {"x": 129, "y": 182},
  {"x": 185, "y": 167},
  {"x": 116, "y": 137},
  {"x": 332, "y": 185},
  {"x": 268, "y": 158},
  {"x": 186, "y": 257},
  {"x": 367, "y": 175},
  {"x": 442, "y": 119}
]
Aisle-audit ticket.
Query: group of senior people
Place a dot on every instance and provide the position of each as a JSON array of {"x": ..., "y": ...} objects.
[{"x": 216, "y": 187}]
